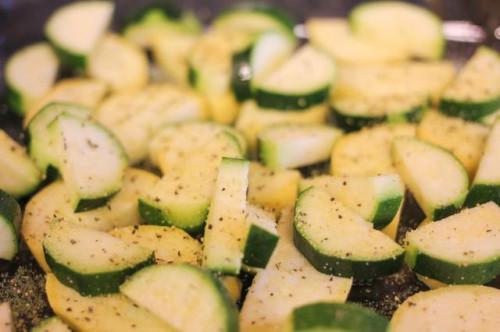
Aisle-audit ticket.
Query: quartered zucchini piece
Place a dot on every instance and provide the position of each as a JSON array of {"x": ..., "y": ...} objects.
[
  {"x": 293, "y": 146},
  {"x": 10, "y": 217},
  {"x": 29, "y": 74},
  {"x": 376, "y": 198},
  {"x": 399, "y": 25},
  {"x": 226, "y": 227},
  {"x": 175, "y": 292},
  {"x": 464, "y": 139},
  {"x": 454, "y": 308},
  {"x": 334, "y": 36},
  {"x": 119, "y": 63},
  {"x": 304, "y": 80},
  {"x": 19, "y": 176},
  {"x": 335, "y": 317},
  {"x": 51, "y": 324},
  {"x": 486, "y": 184},
  {"x": 475, "y": 93},
  {"x": 74, "y": 30},
  {"x": 460, "y": 249},
  {"x": 368, "y": 152},
  {"x": 355, "y": 113},
  {"x": 90, "y": 160},
  {"x": 339, "y": 242},
  {"x": 105, "y": 313},
  {"x": 437, "y": 180},
  {"x": 90, "y": 261}
]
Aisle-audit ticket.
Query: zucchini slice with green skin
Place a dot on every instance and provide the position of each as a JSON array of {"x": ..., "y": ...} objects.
[
  {"x": 261, "y": 239},
  {"x": 334, "y": 36},
  {"x": 454, "y": 308},
  {"x": 90, "y": 160},
  {"x": 355, "y": 113},
  {"x": 439, "y": 191},
  {"x": 377, "y": 199},
  {"x": 414, "y": 29},
  {"x": 465, "y": 139},
  {"x": 51, "y": 324},
  {"x": 460, "y": 249},
  {"x": 336, "y": 241},
  {"x": 368, "y": 152},
  {"x": 74, "y": 29},
  {"x": 255, "y": 18},
  {"x": 486, "y": 184},
  {"x": 172, "y": 291},
  {"x": 90, "y": 261},
  {"x": 336, "y": 317},
  {"x": 40, "y": 148},
  {"x": 265, "y": 53},
  {"x": 226, "y": 227},
  {"x": 10, "y": 215},
  {"x": 19, "y": 176},
  {"x": 119, "y": 63},
  {"x": 491, "y": 118},
  {"x": 304, "y": 80},
  {"x": 475, "y": 93},
  {"x": 288, "y": 282},
  {"x": 105, "y": 313},
  {"x": 29, "y": 75},
  {"x": 292, "y": 146},
  {"x": 159, "y": 20},
  {"x": 170, "y": 244},
  {"x": 6, "y": 317}
]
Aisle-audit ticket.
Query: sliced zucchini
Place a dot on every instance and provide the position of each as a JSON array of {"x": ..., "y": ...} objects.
[
  {"x": 439, "y": 191},
  {"x": 253, "y": 119},
  {"x": 464, "y": 139},
  {"x": 254, "y": 18},
  {"x": 19, "y": 176},
  {"x": 377, "y": 198},
  {"x": 490, "y": 119},
  {"x": 53, "y": 203},
  {"x": 90, "y": 261},
  {"x": 6, "y": 321},
  {"x": 119, "y": 63},
  {"x": 74, "y": 30},
  {"x": 293, "y": 146},
  {"x": 420, "y": 79},
  {"x": 336, "y": 241},
  {"x": 460, "y": 249},
  {"x": 170, "y": 244},
  {"x": 81, "y": 91},
  {"x": 253, "y": 63},
  {"x": 90, "y": 160},
  {"x": 107, "y": 313},
  {"x": 334, "y": 36},
  {"x": 261, "y": 239},
  {"x": 475, "y": 93},
  {"x": 135, "y": 117},
  {"x": 29, "y": 75},
  {"x": 226, "y": 228},
  {"x": 454, "y": 308},
  {"x": 304, "y": 80},
  {"x": 174, "y": 292},
  {"x": 272, "y": 190},
  {"x": 486, "y": 184},
  {"x": 400, "y": 25},
  {"x": 368, "y": 152},
  {"x": 159, "y": 20},
  {"x": 336, "y": 317},
  {"x": 288, "y": 282},
  {"x": 355, "y": 113},
  {"x": 10, "y": 217},
  {"x": 40, "y": 148},
  {"x": 51, "y": 324}
]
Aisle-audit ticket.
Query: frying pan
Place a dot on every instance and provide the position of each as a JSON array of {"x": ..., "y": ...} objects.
[{"x": 468, "y": 23}]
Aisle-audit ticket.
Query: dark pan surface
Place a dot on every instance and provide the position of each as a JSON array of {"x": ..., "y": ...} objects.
[{"x": 21, "y": 22}]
